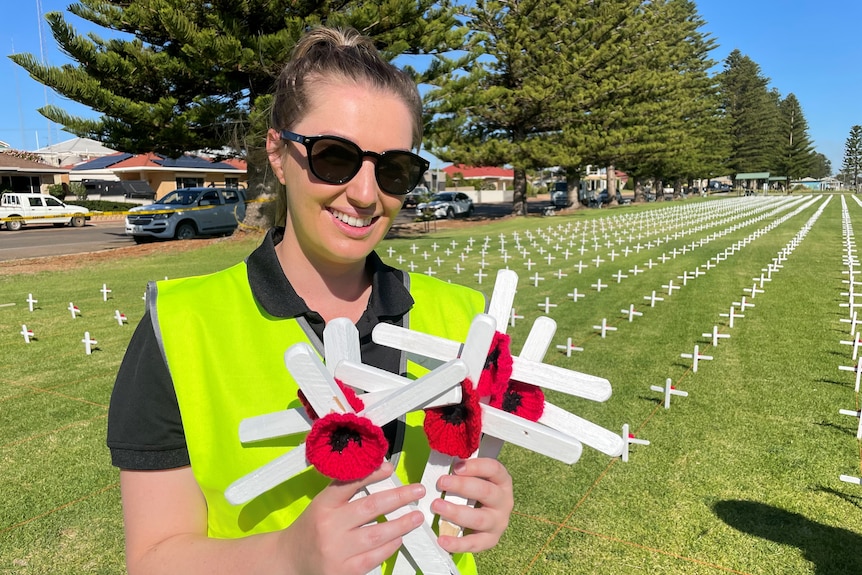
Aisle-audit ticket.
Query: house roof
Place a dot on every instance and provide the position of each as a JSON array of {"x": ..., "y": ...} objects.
[
  {"x": 469, "y": 172},
  {"x": 10, "y": 163},
  {"x": 76, "y": 145},
  {"x": 122, "y": 162},
  {"x": 752, "y": 176}
]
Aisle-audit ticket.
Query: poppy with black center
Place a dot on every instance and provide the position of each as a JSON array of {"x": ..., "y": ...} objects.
[
  {"x": 498, "y": 367},
  {"x": 345, "y": 446},
  {"x": 456, "y": 430}
]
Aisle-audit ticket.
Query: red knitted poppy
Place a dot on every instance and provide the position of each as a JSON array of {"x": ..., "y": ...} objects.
[
  {"x": 456, "y": 429},
  {"x": 345, "y": 446},
  {"x": 355, "y": 402},
  {"x": 521, "y": 399},
  {"x": 498, "y": 367}
]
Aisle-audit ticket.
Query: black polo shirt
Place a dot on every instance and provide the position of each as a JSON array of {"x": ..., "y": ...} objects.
[{"x": 145, "y": 430}]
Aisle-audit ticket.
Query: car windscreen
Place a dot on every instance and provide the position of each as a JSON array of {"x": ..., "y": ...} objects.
[
  {"x": 179, "y": 197},
  {"x": 443, "y": 197}
]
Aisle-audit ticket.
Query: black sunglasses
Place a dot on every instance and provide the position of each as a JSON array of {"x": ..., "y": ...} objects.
[{"x": 336, "y": 160}]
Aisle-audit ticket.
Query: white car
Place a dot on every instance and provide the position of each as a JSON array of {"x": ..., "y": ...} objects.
[
  {"x": 446, "y": 205},
  {"x": 19, "y": 208}
]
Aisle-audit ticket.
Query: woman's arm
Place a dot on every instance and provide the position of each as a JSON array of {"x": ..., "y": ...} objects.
[
  {"x": 165, "y": 522},
  {"x": 487, "y": 482}
]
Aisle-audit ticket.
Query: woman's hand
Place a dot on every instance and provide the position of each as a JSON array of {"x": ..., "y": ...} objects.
[
  {"x": 487, "y": 482},
  {"x": 335, "y": 535}
]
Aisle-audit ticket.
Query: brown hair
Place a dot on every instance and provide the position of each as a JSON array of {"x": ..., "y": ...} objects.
[{"x": 339, "y": 55}]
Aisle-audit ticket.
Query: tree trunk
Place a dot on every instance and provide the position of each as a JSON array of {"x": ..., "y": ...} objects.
[
  {"x": 639, "y": 192},
  {"x": 573, "y": 187},
  {"x": 269, "y": 208},
  {"x": 659, "y": 190},
  {"x": 519, "y": 198},
  {"x": 611, "y": 177}
]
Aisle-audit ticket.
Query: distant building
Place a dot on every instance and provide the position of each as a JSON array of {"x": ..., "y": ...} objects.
[
  {"x": 23, "y": 175},
  {"x": 161, "y": 173},
  {"x": 72, "y": 152}
]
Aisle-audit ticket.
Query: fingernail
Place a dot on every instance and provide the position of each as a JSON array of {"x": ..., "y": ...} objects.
[
  {"x": 444, "y": 482},
  {"x": 459, "y": 467},
  {"x": 417, "y": 490}
]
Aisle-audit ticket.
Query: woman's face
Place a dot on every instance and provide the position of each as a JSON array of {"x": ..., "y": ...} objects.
[{"x": 338, "y": 224}]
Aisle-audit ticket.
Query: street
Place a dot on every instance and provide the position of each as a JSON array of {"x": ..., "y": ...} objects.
[{"x": 45, "y": 240}]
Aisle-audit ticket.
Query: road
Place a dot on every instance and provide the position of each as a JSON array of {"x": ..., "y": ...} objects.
[{"x": 33, "y": 241}]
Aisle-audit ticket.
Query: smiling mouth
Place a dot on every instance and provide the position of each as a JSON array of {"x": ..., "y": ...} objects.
[{"x": 352, "y": 221}]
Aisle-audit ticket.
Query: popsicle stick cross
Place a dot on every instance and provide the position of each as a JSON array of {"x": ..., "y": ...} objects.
[
  {"x": 89, "y": 343},
  {"x": 569, "y": 347},
  {"x": 27, "y": 333},
  {"x": 668, "y": 390},
  {"x": 695, "y": 357},
  {"x": 74, "y": 310},
  {"x": 31, "y": 302},
  {"x": 715, "y": 335}
]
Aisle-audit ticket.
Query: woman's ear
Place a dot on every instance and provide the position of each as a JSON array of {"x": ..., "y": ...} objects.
[{"x": 275, "y": 152}]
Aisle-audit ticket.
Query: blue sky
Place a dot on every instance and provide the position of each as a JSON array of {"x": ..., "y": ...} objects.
[{"x": 804, "y": 47}]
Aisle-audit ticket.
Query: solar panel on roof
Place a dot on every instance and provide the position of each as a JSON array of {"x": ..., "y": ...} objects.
[{"x": 103, "y": 162}]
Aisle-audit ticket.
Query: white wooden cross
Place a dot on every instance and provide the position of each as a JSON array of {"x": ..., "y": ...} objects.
[
  {"x": 561, "y": 274},
  {"x": 619, "y": 276},
  {"x": 604, "y": 327},
  {"x": 575, "y": 295},
  {"x": 526, "y": 368},
  {"x": 753, "y": 290},
  {"x": 88, "y": 342},
  {"x": 635, "y": 270},
  {"x": 668, "y": 390},
  {"x": 74, "y": 309},
  {"x": 120, "y": 317},
  {"x": 27, "y": 333},
  {"x": 631, "y": 313},
  {"x": 857, "y": 341},
  {"x": 599, "y": 285},
  {"x": 580, "y": 266},
  {"x": 598, "y": 261},
  {"x": 857, "y": 369},
  {"x": 105, "y": 291},
  {"x": 569, "y": 347},
  {"x": 853, "y": 321},
  {"x": 480, "y": 274},
  {"x": 325, "y": 396},
  {"x": 629, "y": 439},
  {"x": 513, "y": 316},
  {"x": 731, "y": 315},
  {"x": 716, "y": 336},
  {"x": 695, "y": 357},
  {"x": 535, "y": 278},
  {"x": 31, "y": 301},
  {"x": 670, "y": 287},
  {"x": 743, "y": 303},
  {"x": 653, "y": 298},
  {"x": 547, "y": 305},
  {"x": 857, "y": 415}
]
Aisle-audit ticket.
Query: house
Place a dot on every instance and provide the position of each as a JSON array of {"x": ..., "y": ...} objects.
[
  {"x": 74, "y": 151},
  {"x": 21, "y": 174},
  {"x": 161, "y": 173},
  {"x": 497, "y": 184}
]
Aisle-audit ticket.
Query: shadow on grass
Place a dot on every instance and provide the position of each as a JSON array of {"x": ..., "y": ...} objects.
[{"x": 832, "y": 550}]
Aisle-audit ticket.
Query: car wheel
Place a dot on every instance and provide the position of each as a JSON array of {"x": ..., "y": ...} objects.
[
  {"x": 13, "y": 225},
  {"x": 450, "y": 213},
  {"x": 78, "y": 221},
  {"x": 185, "y": 231}
]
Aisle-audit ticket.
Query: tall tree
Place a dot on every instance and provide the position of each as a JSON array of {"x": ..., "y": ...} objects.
[
  {"x": 795, "y": 158},
  {"x": 752, "y": 114},
  {"x": 821, "y": 166},
  {"x": 853, "y": 158},
  {"x": 505, "y": 108},
  {"x": 185, "y": 75}
]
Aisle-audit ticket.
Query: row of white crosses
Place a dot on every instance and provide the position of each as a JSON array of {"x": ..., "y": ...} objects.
[
  {"x": 557, "y": 434},
  {"x": 89, "y": 343},
  {"x": 851, "y": 265}
]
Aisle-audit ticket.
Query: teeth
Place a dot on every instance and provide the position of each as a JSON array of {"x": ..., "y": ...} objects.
[{"x": 351, "y": 220}]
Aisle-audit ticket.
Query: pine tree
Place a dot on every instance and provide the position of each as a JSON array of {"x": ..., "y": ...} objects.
[
  {"x": 189, "y": 75},
  {"x": 796, "y": 153},
  {"x": 821, "y": 166},
  {"x": 752, "y": 114},
  {"x": 853, "y": 158}
]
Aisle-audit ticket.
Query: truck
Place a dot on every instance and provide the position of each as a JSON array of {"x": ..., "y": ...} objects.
[{"x": 19, "y": 208}]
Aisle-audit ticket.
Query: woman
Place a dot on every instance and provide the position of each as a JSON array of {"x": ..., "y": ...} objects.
[{"x": 209, "y": 351}]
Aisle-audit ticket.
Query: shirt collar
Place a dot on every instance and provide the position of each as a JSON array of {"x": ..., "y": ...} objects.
[{"x": 270, "y": 287}]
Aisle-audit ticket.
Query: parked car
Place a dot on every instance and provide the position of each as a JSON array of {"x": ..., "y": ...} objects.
[
  {"x": 28, "y": 208},
  {"x": 446, "y": 205},
  {"x": 560, "y": 195},
  {"x": 186, "y": 213},
  {"x": 415, "y": 197}
]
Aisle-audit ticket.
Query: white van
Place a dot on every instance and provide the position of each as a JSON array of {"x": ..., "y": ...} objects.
[{"x": 17, "y": 209}]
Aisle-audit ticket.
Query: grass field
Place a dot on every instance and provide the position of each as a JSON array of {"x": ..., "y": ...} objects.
[{"x": 741, "y": 476}]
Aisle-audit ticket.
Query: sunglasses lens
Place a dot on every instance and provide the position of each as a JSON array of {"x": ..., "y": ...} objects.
[
  {"x": 398, "y": 172},
  {"x": 334, "y": 161}
]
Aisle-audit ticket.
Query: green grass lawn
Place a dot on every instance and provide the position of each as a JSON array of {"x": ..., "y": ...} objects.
[{"x": 741, "y": 476}]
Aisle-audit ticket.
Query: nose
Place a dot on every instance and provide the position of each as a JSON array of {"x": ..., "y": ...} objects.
[{"x": 362, "y": 190}]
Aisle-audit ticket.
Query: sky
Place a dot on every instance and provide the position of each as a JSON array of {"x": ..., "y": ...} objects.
[{"x": 805, "y": 47}]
